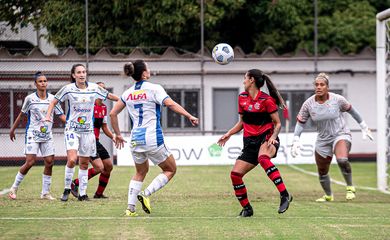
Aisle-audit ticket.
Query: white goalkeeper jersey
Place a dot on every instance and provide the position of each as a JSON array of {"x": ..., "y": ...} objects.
[
  {"x": 37, "y": 130},
  {"x": 329, "y": 116},
  {"x": 81, "y": 102},
  {"x": 143, "y": 102}
]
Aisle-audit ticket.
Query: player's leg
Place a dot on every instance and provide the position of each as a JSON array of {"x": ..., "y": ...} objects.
[
  {"x": 341, "y": 150},
  {"x": 239, "y": 170},
  {"x": 264, "y": 158},
  {"x": 323, "y": 164},
  {"x": 97, "y": 167},
  {"x": 135, "y": 185},
  {"x": 30, "y": 161},
  {"x": 72, "y": 143},
  {"x": 47, "y": 151},
  {"x": 105, "y": 172}
]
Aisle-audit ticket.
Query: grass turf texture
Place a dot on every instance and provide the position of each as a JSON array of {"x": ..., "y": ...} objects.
[{"x": 198, "y": 204}]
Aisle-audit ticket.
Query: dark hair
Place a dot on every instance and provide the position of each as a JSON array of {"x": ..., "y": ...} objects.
[
  {"x": 37, "y": 75},
  {"x": 135, "y": 69},
  {"x": 72, "y": 79},
  {"x": 260, "y": 79}
]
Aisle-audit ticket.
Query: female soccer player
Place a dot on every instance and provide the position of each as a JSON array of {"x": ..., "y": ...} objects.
[
  {"x": 260, "y": 120},
  {"x": 79, "y": 136},
  {"x": 101, "y": 162},
  {"x": 144, "y": 101},
  {"x": 39, "y": 137},
  {"x": 326, "y": 110}
]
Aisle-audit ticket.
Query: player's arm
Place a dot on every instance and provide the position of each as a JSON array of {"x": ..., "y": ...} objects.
[
  {"x": 50, "y": 109},
  {"x": 118, "y": 139},
  {"x": 363, "y": 125},
  {"x": 112, "y": 97},
  {"x": 14, "y": 126},
  {"x": 107, "y": 131},
  {"x": 277, "y": 126},
  {"x": 235, "y": 129},
  {"x": 174, "y": 106}
]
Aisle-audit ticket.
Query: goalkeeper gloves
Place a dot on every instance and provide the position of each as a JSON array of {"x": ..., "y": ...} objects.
[
  {"x": 295, "y": 147},
  {"x": 366, "y": 131}
]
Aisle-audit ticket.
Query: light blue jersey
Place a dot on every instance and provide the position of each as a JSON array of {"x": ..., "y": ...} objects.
[
  {"x": 37, "y": 130},
  {"x": 79, "y": 117},
  {"x": 143, "y": 102}
]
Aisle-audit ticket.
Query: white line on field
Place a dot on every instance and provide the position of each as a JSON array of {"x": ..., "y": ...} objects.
[
  {"x": 332, "y": 180},
  {"x": 189, "y": 217},
  {"x": 4, "y": 191}
]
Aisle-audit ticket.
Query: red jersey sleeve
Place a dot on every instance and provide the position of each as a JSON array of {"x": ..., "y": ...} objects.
[{"x": 270, "y": 105}]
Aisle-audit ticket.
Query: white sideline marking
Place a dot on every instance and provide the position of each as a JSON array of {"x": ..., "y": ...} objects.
[
  {"x": 334, "y": 181},
  {"x": 4, "y": 191},
  {"x": 189, "y": 217}
]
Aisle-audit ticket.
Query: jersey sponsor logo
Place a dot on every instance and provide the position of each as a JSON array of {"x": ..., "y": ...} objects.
[
  {"x": 81, "y": 110},
  {"x": 80, "y": 124},
  {"x": 137, "y": 95},
  {"x": 250, "y": 108},
  {"x": 43, "y": 129}
]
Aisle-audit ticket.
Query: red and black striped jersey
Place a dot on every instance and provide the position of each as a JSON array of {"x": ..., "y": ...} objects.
[
  {"x": 100, "y": 117},
  {"x": 256, "y": 113}
]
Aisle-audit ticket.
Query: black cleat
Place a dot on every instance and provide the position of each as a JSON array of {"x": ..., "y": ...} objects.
[
  {"x": 83, "y": 198},
  {"x": 65, "y": 195},
  {"x": 99, "y": 196},
  {"x": 285, "y": 203},
  {"x": 74, "y": 189},
  {"x": 247, "y": 211}
]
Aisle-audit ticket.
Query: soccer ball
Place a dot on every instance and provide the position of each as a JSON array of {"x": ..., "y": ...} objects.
[{"x": 223, "y": 53}]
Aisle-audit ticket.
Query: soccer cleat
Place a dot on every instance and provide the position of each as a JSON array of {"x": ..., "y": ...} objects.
[
  {"x": 47, "y": 196},
  {"x": 130, "y": 213},
  {"x": 285, "y": 203},
  {"x": 74, "y": 189},
  {"x": 247, "y": 211},
  {"x": 12, "y": 193},
  {"x": 83, "y": 198},
  {"x": 350, "y": 193},
  {"x": 65, "y": 195},
  {"x": 145, "y": 202},
  {"x": 99, "y": 196},
  {"x": 325, "y": 198}
]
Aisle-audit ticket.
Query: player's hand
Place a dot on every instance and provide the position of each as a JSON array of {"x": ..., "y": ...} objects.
[
  {"x": 47, "y": 119},
  {"x": 119, "y": 141},
  {"x": 366, "y": 132},
  {"x": 272, "y": 141},
  {"x": 295, "y": 148},
  {"x": 194, "y": 121},
  {"x": 222, "y": 140},
  {"x": 12, "y": 136}
]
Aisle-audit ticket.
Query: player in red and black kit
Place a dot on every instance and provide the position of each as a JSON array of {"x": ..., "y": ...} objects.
[
  {"x": 261, "y": 123},
  {"x": 102, "y": 162}
]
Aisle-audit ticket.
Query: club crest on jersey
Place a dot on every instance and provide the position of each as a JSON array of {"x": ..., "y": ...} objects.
[
  {"x": 137, "y": 95},
  {"x": 257, "y": 106}
]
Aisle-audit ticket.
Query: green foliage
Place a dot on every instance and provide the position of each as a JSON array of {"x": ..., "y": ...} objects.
[{"x": 121, "y": 25}]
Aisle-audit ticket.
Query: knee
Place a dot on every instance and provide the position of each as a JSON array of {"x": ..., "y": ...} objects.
[
  {"x": 49, "y": 163},
  {"x": 236, "y": 177}
]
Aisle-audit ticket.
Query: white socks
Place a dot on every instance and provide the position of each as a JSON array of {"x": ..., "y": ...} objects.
[
  {"x": 83, "y": 182},
  {"x": 68, "y": 176},
  {"x": 134, "y": 189},
  {"x": 18, "y": 179},
  {"x": 158, "y": 182},
  {"x": 46, "y": 183}
]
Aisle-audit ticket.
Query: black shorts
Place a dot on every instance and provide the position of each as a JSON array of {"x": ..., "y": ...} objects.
[
  {"x": 250, "y": 152},
  {"x": 101, "y": 151}
]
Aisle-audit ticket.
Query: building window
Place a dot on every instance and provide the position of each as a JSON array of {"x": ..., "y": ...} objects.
[
  {"x": 189, "y": 99},
  {"x": 295, "y": 99},
  {"x": 11, "y": 102}
]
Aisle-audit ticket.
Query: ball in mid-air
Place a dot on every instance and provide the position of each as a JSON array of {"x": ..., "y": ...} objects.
[{"x": 223, "y": 53}]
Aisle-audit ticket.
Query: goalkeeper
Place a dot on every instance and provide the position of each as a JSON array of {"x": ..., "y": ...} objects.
[{"x": 327, "y": 111}]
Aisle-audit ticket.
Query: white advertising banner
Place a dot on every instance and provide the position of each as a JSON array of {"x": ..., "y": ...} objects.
[{"x": 203, "y": 150}]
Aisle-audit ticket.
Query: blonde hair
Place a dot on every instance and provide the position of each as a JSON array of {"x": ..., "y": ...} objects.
[{"x": 323, "y": 76}]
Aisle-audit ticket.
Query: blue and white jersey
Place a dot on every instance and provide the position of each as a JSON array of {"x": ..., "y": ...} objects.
[
  {"x": 37, "y": 130},
  {"x": 143, "y": 102},
  {"x": 81, "y": 102}
]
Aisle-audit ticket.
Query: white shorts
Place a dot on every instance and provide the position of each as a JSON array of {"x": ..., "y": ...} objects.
[
  {"x": 157, "y": 155},
  {"x": 85, "y": 143},
  {"x": 326, "y": 148},
  {"x": 46, "y": 148}
]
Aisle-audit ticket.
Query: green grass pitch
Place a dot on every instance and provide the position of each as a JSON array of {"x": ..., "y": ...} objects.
[{"x": 198, "y": 204}]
